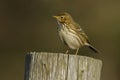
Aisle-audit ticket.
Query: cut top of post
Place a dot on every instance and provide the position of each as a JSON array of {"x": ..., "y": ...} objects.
[{"x": 58, "y": 66}]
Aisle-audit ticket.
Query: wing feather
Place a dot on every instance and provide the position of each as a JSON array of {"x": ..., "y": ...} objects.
[{"x": 77, "y": 28}]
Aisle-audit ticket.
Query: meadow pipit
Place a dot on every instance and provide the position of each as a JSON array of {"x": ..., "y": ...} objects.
[{"x": 71, "y": 33}]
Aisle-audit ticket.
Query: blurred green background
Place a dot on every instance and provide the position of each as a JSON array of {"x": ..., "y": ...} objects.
[{"x": 27, "y": 25}]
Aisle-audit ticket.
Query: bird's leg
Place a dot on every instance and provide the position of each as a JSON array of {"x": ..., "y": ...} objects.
[
  {"x": 77, "y": 51},
  {"x": 67, "y": 51}
]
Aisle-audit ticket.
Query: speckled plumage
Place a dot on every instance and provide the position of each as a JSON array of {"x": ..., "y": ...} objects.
[{"x": 71, "y": 33}]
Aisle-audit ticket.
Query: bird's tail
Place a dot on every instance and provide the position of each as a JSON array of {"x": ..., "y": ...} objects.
[{"x": 93, "y": 48}]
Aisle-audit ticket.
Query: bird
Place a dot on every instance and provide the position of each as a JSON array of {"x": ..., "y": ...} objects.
[{"x": 71, "y": 33}]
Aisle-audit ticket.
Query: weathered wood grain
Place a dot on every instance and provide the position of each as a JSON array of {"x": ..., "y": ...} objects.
[{"x": 58, "y": 66}]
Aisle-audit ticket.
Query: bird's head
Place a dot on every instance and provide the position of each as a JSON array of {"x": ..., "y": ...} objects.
[{"x": 63, "y": 17}]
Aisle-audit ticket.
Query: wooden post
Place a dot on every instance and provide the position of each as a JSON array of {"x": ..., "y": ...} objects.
[{"x": 58, "y": 66}]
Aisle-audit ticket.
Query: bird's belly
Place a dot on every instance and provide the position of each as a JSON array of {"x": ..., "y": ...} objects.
[{"x": 71, "y": 40}]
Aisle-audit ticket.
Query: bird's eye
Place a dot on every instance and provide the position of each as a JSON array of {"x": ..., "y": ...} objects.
[{"x": 62, "y": 17}]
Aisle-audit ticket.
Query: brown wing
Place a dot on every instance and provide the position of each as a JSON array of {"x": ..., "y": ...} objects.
[
  {"x": 79, "y": 29},
  {"x": 85, "y": 36}
]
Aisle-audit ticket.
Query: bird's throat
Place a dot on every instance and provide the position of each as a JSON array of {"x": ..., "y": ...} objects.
[{"x": 60, "y": 25}]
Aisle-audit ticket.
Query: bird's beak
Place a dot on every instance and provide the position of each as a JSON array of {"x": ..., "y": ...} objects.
[{"x": 55, "y": 17}]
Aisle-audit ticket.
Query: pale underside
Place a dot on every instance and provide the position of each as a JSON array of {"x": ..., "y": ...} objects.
[{"x": 72, "y": 41}]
